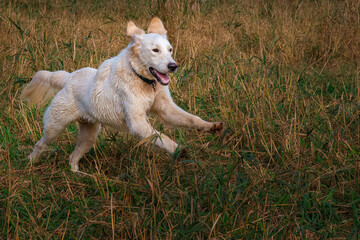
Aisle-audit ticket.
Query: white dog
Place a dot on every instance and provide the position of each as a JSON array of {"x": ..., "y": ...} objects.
[{"x": 119, "y": 94}]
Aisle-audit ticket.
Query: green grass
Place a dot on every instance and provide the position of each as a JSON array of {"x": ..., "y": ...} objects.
[{"x": 283, "y": 76}]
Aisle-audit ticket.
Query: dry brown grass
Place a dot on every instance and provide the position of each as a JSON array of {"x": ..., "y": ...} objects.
[{"x": 283, "y": 75}]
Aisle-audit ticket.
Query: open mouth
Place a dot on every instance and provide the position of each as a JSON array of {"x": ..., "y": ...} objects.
[{"x": 160, "y": 77}]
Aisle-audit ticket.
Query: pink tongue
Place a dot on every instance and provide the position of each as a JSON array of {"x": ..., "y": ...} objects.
[{"x": 164, "y": 77}]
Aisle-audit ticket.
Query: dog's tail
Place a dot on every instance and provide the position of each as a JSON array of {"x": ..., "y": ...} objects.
[{"x": 43, "y": 86}]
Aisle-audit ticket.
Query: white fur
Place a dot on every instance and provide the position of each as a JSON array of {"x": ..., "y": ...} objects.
[
  {"x": 158, "y": 60},
  {"x": 113, "y": 95}
]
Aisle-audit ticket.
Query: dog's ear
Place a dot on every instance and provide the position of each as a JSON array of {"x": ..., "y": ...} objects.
[
  {"x": 132, "y": 30},
  {"x": 156, "y": 26}
]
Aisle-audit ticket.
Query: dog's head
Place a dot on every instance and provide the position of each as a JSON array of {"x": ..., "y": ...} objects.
[{"x": 153, "y": 49}]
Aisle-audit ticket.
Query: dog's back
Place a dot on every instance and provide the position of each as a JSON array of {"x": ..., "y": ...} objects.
[{"x": 45, "y": 84}]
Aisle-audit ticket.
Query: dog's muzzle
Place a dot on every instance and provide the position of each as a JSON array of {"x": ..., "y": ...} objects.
[
  {"x": 162, "y": 78},
  {"x": 172, "y": 67}
]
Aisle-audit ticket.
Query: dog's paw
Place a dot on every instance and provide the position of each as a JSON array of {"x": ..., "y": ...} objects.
[
  {"x": 217, "y": 127},
  {"x": 33, "y": 158},
  {"x": 181, "y": 153}
]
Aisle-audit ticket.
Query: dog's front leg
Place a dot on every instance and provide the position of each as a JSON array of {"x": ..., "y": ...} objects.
[
  {"x": 140, "y": 127},
  {"x": 173, "y": 115}
]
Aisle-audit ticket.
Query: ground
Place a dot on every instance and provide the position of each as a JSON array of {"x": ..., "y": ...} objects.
[{"x": 282, "y": 75}]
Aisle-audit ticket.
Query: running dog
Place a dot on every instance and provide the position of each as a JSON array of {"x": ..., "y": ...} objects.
[{"x": 119, "y": 94}]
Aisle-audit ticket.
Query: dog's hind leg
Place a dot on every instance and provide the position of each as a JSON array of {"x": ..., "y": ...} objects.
[
  {"x": 51, "y": 131},
  {"x": 87, "y": 138},
  {"x": 49, "y": 135},
  {"x": 57, "y": 117}
]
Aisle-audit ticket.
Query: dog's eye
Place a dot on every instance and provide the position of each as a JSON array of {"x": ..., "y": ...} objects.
[
  {"x": 155, "y": 50},
  {"x": 170, "y": 50}
]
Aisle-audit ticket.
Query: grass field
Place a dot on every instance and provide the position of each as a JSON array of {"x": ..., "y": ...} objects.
[{"x": 282, "y": 75}]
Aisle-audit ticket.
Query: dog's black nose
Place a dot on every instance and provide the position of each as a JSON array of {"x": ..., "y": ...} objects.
[{"x": 172, "y": 66}]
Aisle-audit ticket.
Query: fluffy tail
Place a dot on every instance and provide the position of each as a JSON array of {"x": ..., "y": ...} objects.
[{"x": 43, "y": 86}]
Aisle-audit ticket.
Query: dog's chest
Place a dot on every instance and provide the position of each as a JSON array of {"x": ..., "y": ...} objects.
[{"x": 147, "y": 102}]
